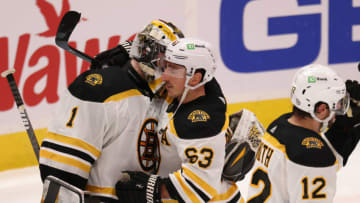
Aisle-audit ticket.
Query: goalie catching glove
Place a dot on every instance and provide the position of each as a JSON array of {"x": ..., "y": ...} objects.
[
  {"x": 138, "y": 187},
  {"x": 243, "y": 139}
]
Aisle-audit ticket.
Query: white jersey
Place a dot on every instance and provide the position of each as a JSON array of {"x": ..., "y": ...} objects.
[
  {"x": 103, "y": 126},
  {"x": 94, "y": 136},
  {"x": 192, "y": 148},
  {"x": 293, "y": 164}
]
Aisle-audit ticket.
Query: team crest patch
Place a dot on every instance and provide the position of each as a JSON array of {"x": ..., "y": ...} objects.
[
  {"x": 94, "y": 79},
  {"x": 198, "y": 116},
  {"x": 148, "y": 149},
  {"x": 312, "y": 142}
]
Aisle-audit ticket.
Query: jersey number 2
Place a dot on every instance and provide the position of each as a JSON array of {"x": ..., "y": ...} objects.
[
  {"x": 70, "y": 123},
  {"x": 260, "y": 175}
]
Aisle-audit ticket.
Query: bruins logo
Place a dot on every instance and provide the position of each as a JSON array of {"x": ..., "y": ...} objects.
[
  {"x": 94, "y": 79},
  {"x": 198, "y": 116},
  {"x": 312, "y": 142},
  {"x": 148, "y": 146}
]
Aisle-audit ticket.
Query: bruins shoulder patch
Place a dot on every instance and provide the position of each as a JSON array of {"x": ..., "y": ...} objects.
[
  {"x": 312, "y": 142},
  {"x": 94, "y": 79},
  {"x": 198, "y": 116}
]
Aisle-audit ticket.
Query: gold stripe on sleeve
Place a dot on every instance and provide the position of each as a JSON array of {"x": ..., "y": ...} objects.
[
  {"x": 123, "y": 95},
  {"x": 185, "y": 188},
  {"x": 101, "y": 190},
  {"x": 225, "y": 196},
  {"x": 64, "y": 160},
  {"x": 199, "y": 181},
  {"x": 75, "y": 142}
]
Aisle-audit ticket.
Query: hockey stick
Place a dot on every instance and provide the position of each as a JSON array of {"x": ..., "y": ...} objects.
[
  {"x": 8, "y": 74},
  {"x": 66, "y": 27}
]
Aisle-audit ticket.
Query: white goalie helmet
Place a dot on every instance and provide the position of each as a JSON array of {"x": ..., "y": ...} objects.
[
  {"x": 193, "y": 54},
  {"x": 317, "y": 83}
]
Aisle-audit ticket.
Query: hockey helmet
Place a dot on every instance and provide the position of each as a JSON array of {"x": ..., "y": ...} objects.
[
  {"x": 193, "y": 54},
  {"x": 317, "y": 83}
]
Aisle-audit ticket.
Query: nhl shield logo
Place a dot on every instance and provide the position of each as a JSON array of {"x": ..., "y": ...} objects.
[{"x": 148, "y": 146}]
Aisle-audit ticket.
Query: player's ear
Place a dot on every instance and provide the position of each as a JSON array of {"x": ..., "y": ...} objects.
[
  {"x": 195, "y": 79},
  {"x": 322, "y": 110}
]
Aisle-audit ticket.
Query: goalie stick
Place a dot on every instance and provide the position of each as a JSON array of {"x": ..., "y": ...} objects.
[
  {"x": 8, "y": 74},
  {"x": 66, "y": 27}
]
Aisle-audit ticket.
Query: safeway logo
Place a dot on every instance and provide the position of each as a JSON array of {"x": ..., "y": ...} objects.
[
  {"x": 52, "y": 19},
  {"x": 27, "y": 56}
]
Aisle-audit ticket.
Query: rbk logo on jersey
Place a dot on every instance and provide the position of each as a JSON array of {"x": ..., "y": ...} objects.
[
  {"x": 312, "y": 142},
  {"x": 198, "y": 116}
]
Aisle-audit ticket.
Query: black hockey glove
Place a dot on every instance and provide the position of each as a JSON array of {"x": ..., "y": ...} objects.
[
  {"x": 138, "y": 187},
  {"x": 353, "y": 88},
  {"x": 344, "y": 134},
  {"x": 117, "y": 56}
]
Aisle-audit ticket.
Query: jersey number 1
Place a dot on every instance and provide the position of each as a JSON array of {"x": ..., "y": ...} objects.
[{"x": 72, "y": 117}]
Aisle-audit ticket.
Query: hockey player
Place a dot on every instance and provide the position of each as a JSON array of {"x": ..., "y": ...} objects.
[
  {"x": 74, "y": 156},
  {"x": 192, "y": 126},
  {"x": 92, "y": 137},
  {"x": 297, "y": 161}
]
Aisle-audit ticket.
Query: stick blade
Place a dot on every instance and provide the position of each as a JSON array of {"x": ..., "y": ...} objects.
[{"x": 66, "y": 27}]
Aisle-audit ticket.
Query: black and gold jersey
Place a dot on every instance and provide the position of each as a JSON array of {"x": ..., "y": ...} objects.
[
  {"x": 192, "y": 147},
  {"x": 92, "y": 137},
  {"x": 293, "y": 164}
]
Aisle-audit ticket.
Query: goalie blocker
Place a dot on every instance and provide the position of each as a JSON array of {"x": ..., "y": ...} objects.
[{"x": 56, "y": 190}]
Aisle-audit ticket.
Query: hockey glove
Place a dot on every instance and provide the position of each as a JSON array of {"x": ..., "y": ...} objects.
[
  {"x": 243, "y": 139},
  {"x": 245, "y": 127},
  {"x": 117, "y": 56},
  {"x": 344, "y": 134},
  {"x": 138, "y": 187},
  {"x": 353, "y": 88}
]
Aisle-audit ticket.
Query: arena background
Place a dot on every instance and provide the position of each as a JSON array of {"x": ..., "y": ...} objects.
[{"x": 259, "y": 45}]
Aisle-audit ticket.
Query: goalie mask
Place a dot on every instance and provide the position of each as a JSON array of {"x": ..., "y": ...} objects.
[
  {"x": 151, "y": 43},
  {"x": 316, "y": 83}
]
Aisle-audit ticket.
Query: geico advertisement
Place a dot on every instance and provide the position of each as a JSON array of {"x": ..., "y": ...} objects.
[{"x": 259, "y": 44}]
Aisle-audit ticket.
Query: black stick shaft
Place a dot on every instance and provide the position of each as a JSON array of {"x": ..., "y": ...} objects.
[
  {"x": 24, "y": 116},
  {"x": 65, "y": 28}
]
